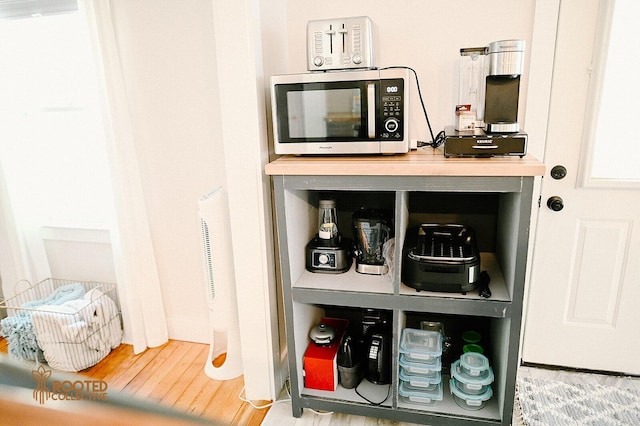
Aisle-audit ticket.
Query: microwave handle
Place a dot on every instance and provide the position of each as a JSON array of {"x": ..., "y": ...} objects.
[{"x": 371, "y": 110}]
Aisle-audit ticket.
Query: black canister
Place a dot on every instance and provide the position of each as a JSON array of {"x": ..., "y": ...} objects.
[{"x": 349, "y": 363}]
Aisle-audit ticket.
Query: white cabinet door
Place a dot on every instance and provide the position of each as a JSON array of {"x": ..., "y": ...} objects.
[{"x": 585, "y": 282}]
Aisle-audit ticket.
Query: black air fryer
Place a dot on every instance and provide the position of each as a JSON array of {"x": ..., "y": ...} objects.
[{"x": 441, "y": 258}]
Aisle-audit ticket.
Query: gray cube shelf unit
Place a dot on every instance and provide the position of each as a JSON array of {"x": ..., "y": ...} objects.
[{"x": 493, "y": 196}]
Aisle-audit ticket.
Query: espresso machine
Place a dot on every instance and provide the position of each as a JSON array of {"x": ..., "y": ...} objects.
[
  {"x": 328, "y": 251},
  {"x": 371, "y": 230}
]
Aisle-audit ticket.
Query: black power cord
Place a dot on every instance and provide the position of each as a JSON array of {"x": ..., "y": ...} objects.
[
  {"x": 368, "y": 400},
  {"x": 437, "y": 140}
]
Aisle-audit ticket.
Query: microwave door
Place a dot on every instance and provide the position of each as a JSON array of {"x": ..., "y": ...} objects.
[{"x": 332, "y": 112}]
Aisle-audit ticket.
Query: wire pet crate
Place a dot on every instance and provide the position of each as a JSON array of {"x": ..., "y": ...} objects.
[{"x": 71, "y": 325}]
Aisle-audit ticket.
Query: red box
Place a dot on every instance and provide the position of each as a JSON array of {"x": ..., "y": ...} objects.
[{"x": 320, "y": 367}]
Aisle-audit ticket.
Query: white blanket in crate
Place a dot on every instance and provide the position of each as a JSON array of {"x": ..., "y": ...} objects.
[{"x": 79, "y": 333}]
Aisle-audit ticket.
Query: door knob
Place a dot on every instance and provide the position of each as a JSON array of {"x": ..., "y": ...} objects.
[
  {"x": 558, "y": 172},
  {"x": 555, "y": 203}
]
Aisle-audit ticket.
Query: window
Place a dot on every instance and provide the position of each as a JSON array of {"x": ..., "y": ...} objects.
[
  {"x": 613, "y": 140},
  {"x": 52, "y": 148}
]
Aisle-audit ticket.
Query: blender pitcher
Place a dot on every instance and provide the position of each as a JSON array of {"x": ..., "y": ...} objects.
[
  {"x": 327, "y": 219},
  {"x": 371, "y": 230}
]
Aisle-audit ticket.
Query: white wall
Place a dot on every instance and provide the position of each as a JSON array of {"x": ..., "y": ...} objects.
[{"x": 425, "y": 35}]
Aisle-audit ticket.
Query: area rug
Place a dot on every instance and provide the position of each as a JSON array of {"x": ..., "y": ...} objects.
[{"x": 545, "y": 402}]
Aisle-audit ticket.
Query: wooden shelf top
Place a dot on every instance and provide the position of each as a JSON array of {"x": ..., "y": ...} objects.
[{"x": 421, "y": 162}]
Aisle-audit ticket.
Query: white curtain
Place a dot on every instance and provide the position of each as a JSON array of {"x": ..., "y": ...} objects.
[{"x": 134, "y": 258}]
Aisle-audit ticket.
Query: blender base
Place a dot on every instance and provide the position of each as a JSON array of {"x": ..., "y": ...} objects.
[{"x": 365, "y": 268}]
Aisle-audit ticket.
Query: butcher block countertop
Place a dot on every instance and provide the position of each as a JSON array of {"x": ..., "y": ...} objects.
[{"x": 421, "y": 162}]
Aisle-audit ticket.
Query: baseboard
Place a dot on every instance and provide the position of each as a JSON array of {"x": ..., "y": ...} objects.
[
  {"x": 575, "y": 370},
  {"x": 189, "y": 329}
]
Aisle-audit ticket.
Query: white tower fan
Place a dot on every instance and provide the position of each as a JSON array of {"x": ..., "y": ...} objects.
[{"x": 225, "y": 359}]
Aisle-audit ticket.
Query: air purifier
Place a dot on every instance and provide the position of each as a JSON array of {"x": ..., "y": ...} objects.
[{"x": 225, "y": 358}]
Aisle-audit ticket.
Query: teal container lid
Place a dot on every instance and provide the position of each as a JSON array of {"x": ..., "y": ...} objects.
[
  {"x": 474, "y": 363},
  {"x": 421, "y": 345},
  {"x": 484, "y": 378},
  {"x": 434, "y": 364},
  {"x": 420, "y": 381},
  {"x": 421, "y": 396},
  {"x": 469, "y": 398}
]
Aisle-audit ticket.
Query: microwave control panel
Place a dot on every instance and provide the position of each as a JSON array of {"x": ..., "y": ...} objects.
[
  {"x": 336, "y": 44},
  {"x": 391, "y": 109}
]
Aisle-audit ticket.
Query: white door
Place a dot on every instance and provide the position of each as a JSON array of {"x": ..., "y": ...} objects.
[{"x": 585, "y": 281}]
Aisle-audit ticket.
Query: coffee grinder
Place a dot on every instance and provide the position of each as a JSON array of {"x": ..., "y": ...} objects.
[
  {"x": 371, "y": 230},
  {"x": 328, "y": 251}
]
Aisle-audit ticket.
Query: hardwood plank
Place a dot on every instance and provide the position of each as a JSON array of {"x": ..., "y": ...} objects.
[
  {"x": 144, "y": 383},
  {"x": 110, "y": 363},
  {"x": 248, "y": 415},
  {"x": 121, "y": 377},
  {"x": 225, "y": 397},
  {"x": 196, "y": 398},
  {"x": 190, "y": 358},
  {"x": 173, "y": 376},
  {"x": 186, "y": 379}
]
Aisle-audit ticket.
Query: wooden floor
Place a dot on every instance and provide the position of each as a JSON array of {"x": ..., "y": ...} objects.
[{"x": 173, "y": 376}]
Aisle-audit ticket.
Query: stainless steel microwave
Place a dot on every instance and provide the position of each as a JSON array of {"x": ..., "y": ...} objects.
[{"x": 344, "y": 112}]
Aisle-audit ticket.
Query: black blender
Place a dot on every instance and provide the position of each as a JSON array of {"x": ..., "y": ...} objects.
[
  {"x": 371, "y": 230},
  {"x": 328, "y": 251}
]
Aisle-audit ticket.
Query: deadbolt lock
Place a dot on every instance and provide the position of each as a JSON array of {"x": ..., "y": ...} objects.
[{"x": 559, "y": 172}]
